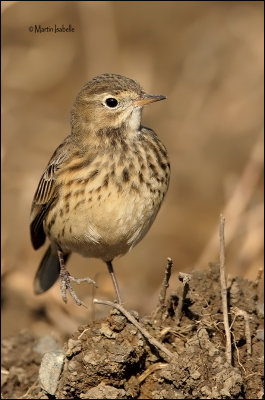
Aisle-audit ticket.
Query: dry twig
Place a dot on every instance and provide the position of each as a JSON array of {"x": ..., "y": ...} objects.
[
  {"x": 143, "y": 331},
  {"x": 161, "y": 307},
  {"x": 224, "y": 291},
  {"x": 238, "y": 354},
  {"x": 150, "y": 370},
  {"x": 184, "y": 278}
]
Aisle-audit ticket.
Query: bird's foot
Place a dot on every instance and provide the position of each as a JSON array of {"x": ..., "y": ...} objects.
[{"x": 66, "y": 279}]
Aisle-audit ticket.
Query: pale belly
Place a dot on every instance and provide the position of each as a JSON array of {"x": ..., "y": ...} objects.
[
  {"x": 105, "y": 208},
  {"x": 105, "y": 225}
]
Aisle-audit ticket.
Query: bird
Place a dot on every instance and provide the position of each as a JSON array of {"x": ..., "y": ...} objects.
[{"x": 103, "y": 186}]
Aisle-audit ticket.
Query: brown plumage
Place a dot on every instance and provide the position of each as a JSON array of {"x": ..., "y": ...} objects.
[{"x": 103, "y": 186}]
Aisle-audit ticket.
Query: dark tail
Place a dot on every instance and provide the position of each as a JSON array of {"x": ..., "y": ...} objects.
[{"x": 48, "y": 271}]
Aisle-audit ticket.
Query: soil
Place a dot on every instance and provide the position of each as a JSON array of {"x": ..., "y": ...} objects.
[{"x": 111, "y": 359}]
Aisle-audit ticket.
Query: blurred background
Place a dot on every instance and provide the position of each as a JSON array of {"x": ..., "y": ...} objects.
[{"x": 207, "y": 58}]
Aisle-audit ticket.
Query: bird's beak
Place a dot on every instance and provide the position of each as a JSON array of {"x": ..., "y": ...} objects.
[{"x": 147, "y": 98}]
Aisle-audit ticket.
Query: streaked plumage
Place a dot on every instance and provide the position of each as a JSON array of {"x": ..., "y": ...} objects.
[{"x": 105, "y": 183}]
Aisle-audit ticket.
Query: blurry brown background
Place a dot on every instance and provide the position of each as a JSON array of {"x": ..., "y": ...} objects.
[{"x": 207, "y": 58}]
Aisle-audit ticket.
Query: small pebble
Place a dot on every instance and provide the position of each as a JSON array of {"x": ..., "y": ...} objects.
[{"x": 50, "y": 371}]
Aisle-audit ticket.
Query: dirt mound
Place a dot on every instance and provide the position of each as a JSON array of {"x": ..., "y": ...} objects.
[{"x": 111, "y": 359}]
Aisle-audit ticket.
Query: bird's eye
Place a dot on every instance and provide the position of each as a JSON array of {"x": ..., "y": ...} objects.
[{"x": 111, "y": 102}]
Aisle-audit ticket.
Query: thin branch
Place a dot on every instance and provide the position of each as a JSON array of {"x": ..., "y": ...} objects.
[
  {"x": 150, "y": 370},
  {"x": 143, "y": 331},
  {"x": 184, "y": 279},
  {"x": 224, "y": 291},
  {"x": 238, "y": 354},
  {"x": 161, "y": 307},
  {"x": 82, "y": 333}
]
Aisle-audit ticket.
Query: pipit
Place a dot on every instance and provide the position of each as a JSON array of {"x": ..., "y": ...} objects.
[{"x": 103, "y": 185}]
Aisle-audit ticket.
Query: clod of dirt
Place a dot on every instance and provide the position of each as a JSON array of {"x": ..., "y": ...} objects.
[{"x": 103, "y": 391}]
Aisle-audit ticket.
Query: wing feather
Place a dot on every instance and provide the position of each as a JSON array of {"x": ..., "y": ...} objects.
[{"x": 46, "y": 193}]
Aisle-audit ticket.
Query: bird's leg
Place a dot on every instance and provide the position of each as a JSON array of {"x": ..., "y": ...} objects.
[
  {"x": 114, "y": 280},
  {"x": 65, "y": 281}
]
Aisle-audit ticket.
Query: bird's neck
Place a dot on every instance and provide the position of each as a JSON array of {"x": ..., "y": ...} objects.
[
  {"x": 134, "y": 121},
  {"x": 87, "y": 134}
]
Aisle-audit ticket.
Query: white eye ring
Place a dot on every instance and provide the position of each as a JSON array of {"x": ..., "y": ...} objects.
[{"x": 111, "y": 102}]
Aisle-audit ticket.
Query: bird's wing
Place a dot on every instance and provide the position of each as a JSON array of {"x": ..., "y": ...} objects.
[{"x": 46, "y": 193}]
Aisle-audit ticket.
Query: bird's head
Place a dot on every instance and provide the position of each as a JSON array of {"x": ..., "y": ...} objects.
[{"x": 110, "y": 102}]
